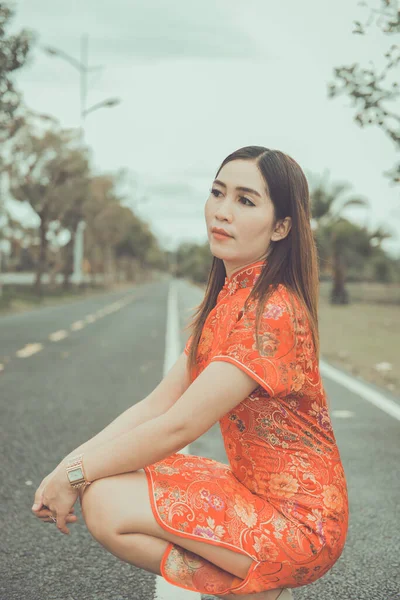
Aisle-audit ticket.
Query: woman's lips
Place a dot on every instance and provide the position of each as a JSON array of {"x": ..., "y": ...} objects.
[{"x": 221, "y": 236}]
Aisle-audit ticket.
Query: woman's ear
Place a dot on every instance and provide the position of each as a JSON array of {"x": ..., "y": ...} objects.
[{"x": 281, "y": 229}]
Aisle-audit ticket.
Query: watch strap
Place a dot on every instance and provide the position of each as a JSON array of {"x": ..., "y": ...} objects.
[{"x": 73, "y": 463}]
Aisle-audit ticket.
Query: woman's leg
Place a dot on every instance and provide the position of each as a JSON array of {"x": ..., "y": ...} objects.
[
  {"x": 149, "y": 557},
  {"x": 118, "y": 514}
]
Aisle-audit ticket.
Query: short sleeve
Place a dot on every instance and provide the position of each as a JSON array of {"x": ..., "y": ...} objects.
[{"x": 274, "y": 366}]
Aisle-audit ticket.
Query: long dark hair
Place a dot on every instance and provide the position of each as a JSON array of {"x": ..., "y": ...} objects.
[{"x": 291, "y": 261}]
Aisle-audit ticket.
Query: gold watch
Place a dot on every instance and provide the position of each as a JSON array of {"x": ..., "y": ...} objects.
[{"x": 75, "y": 472}]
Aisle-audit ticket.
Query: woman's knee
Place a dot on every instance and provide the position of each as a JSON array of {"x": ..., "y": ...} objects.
[{"x": 94, "y": 509}]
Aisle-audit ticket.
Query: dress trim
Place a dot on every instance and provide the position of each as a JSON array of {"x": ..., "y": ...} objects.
[
  {"x": 197, "y": 538},
  {"x": 244, "y": 368}
]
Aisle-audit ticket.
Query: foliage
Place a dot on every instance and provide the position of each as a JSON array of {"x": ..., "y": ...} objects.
[
  {"x": 114, "y": 233},
  {"x": 193, "y": 261},
  {"x": 341, "y": 244},
  {"x": 49, "y": 170},
  {"x": 47, "y": 167},
  {"x": 14, "y": 51},
  {"x": 372, "y": 89}
]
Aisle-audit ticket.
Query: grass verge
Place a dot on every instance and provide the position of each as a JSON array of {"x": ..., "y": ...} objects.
[
  {"x": 20, "y": 298},
  {"x": 360, "y": 338}
]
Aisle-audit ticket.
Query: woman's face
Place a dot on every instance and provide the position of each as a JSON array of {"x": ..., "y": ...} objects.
[{"x": 247, "y": 215}]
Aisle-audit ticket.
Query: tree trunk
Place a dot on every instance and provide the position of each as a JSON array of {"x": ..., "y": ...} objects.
[
  {"x": 93, "y": 277},
  {"x": 42, "y": 262},
  {"x": 109, "y": 265},
  {"x": 52, "y": 277},
  {"x": 1, "y": 270},
  {"x": 339, "y": 294},
  {"x": 69, "y": 261}
]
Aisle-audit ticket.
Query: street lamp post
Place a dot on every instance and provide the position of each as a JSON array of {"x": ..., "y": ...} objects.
[{"x": 83, "y": 67}]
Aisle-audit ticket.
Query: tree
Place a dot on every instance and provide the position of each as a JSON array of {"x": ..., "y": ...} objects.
[
  {"x": 14, "y": 50},
  {"x": 193, "y": 261},
  {"x": 49, "y": 170},
  {"x": 137, "y": 241},
  {"x": 72, "y": 216},
  {"x": 348, "y": 243},
  {"x": 336, "y": 237},
  {"x": 372, "y": 90},
  {"x": 21, "y": 239},
  {"x": 116, "y": 238}
]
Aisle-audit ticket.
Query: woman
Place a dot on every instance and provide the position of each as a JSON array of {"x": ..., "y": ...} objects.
[{"x": 276, "y": 517}]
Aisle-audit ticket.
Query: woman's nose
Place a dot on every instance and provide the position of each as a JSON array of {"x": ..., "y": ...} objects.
[{"x": 224, "y": 212}]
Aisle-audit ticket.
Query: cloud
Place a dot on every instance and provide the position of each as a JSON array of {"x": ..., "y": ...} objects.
[
  {"x": 199, "y": 80},
  {"x": 143, "y": 32},
  {"x": 174, "y": 189},
  {"x": 169, "y": 198}
]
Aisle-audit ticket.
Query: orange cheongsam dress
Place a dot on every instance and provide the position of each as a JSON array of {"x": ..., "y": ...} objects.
[{"x": 282, "y": 499}]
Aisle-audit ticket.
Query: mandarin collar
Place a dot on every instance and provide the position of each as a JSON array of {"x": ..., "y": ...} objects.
[{"x": 244, "y": 277}]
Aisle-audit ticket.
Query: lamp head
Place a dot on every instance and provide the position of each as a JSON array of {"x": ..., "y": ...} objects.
[
  {"x": 50, "y": 50},
  {"x": 112, "y": 102}
]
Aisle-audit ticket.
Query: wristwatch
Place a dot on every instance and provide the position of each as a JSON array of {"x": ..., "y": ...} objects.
[{"x": 75, "y": 472}]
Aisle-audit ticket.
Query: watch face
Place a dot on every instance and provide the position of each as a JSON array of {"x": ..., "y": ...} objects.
[{"x": 75, "y": 474}]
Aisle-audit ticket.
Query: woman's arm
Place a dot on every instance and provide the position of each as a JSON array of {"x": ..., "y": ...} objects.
[
  {"x": 132, "y": 417},
  {"x": 216, "y": 391},
  {"x": 167, "y": 392}
]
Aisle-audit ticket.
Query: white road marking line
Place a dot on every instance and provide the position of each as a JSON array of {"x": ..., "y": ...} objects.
[
  {"x": 342, "y": 414},
  {"x": 165, "y": 590},
  {"x": 28, "y": 350},
  {"x": 61, "y": 334},
  {"x": 118, "y": 305},
  {"x": 58, "y": 335},
  {"x": 110, "y": 308},
  {"x": 361, "y": 389}
]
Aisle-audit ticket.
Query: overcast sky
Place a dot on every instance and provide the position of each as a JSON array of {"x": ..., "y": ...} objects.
[{"x": 197, "y": 80}]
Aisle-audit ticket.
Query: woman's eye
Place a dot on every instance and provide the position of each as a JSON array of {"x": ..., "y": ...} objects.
[
  {"x": 217, "y": 192},
  {"x": 251, "y": 203}
]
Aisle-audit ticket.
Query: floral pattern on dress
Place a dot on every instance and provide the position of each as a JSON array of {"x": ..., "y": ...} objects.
[{"x": 282, "y": 499}]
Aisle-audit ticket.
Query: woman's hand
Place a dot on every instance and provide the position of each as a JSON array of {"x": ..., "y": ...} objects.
[{"x": 55, "y": 497}]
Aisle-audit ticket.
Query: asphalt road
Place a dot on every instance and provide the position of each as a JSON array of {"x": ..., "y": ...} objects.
[
  {"x": 57, "y": 394},
  {"x": 25, "y": 278}
]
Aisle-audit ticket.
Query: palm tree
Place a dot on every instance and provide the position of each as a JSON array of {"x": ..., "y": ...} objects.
[{"x": 328, "y": 201}]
